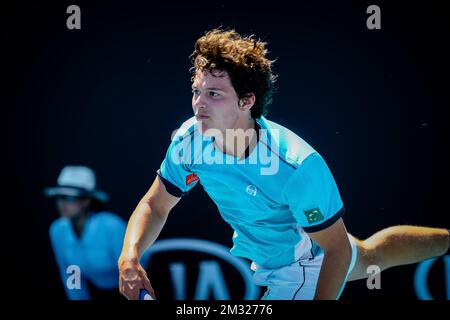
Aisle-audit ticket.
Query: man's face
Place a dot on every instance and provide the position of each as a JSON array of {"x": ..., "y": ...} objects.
[
  {"x": 214, "y": 101},
  {"x": 71, "y": 207}
]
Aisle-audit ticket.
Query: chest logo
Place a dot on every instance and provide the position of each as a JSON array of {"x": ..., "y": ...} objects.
[
  {"x": 251, "y": 190},
  {"x": 191, "y": 178}
]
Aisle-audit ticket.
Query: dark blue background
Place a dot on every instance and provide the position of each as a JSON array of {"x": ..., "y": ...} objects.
[{"x": 109, "y": 96}]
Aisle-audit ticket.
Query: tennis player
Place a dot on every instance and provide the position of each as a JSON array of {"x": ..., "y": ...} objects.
[{"x": 273, "y": 188}]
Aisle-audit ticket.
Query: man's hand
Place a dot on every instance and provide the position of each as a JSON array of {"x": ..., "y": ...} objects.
[{"x": 133, "y": 278}]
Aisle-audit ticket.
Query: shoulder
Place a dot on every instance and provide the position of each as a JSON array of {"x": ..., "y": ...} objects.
[
  {"x": 58, "y": 226},
  {"x": 289, "y": 146}
]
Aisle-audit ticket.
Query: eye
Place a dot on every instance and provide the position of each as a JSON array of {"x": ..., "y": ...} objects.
[
  {"x": 195, "y": 92},
  {"x": 214, "y": 94}
]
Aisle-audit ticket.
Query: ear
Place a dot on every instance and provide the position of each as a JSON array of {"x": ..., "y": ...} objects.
[{"x": 246, "y": 102}]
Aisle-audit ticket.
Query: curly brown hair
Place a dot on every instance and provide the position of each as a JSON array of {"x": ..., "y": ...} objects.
[{"x": 244, "y": 59}]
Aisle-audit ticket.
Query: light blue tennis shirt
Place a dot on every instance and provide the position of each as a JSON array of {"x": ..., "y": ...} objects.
[
  {"x": 95, "y": 253},
  {"x": 272, "y": 198}
]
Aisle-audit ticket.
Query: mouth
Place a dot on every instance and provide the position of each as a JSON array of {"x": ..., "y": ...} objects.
[{"x": 201, "y": 117}]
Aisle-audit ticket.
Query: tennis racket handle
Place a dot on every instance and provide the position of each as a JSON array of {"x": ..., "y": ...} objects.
[{"x": 144, "y": 295}]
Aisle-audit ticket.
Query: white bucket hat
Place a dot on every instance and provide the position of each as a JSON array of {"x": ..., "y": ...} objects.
[{"x": 77, "y": 181}]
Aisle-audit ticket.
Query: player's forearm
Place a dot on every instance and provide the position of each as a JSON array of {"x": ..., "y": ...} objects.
[
  {"x": 143, "y": 228},
  {"x": 332, "y": 274}
]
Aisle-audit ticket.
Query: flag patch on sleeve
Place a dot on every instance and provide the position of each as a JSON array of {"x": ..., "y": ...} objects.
[{"x": 314, "y": 215}]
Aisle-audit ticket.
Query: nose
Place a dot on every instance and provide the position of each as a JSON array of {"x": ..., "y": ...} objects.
[
  {"x": 199, "y": 102},
  {"x": 62, "y": 206}
]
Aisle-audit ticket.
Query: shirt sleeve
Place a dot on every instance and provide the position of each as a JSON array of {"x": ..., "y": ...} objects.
[
  {"x": 175, "y": 170},
  {"x": 313, "y": 196}
]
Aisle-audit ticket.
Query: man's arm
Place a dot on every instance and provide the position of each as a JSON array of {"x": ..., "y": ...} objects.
[
  {"x": 338, "y": 252},
  {"x": 143, "y": 228}
]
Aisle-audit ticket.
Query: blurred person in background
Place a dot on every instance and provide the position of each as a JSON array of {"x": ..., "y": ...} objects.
[{"x": 85, "y": 237}]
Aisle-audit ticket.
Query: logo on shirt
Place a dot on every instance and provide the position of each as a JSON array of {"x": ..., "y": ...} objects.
[
  {"x": 251, "y": 190},
  {"x": 191, "y": 178},
  {"x": 314, "y": 215}
]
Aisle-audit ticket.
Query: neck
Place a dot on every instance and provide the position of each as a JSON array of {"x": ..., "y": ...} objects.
[
  {"x": 235, "y": 141},
  {"x": 78, "y": 223}
]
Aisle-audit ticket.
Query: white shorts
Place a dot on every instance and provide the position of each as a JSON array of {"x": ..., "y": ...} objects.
[{"x": 298, "y": 280}]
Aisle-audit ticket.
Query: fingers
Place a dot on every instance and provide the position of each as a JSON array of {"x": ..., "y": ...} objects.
[
  {"x": 121, "y": 286},
  {"x": 135, "y": 288},
  {"x": 127, "y": 288},
  {"x": 130, "y": 292},
  {"x": 148, "y": 287},
  {"x": 133, "y": 292},
  {"x": 132, "y": 281},
  {"x": 146, "y": 282}
]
